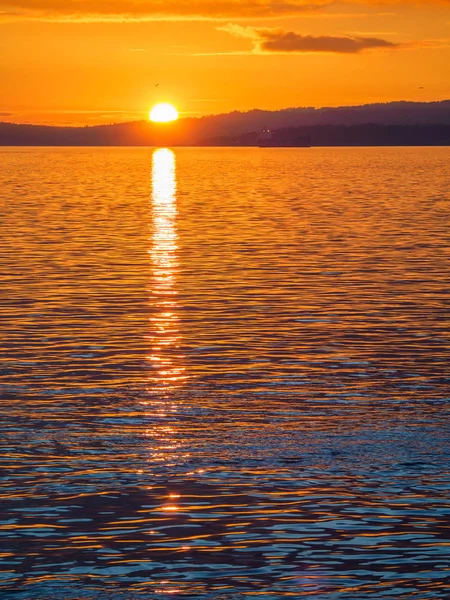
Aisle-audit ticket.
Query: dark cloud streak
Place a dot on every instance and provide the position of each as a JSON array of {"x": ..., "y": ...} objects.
[
  {"x": 112, "y": 10},
  {"x": 268, "y": 40},
  {"x": 122, "y": 10}
]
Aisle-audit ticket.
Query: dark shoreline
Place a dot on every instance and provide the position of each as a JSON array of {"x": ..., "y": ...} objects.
[{"x": 243, "y": 130}]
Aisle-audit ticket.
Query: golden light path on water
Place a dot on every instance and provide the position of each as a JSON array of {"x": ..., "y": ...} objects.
[
  {"x": 165, "y": 356},
  {"x": 164, "y": 248}
]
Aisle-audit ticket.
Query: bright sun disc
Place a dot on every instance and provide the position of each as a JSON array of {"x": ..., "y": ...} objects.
[{"x": 163, "y": 113}]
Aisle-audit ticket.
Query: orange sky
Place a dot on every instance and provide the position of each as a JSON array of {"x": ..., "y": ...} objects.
[{"x": 96, "y": 61}]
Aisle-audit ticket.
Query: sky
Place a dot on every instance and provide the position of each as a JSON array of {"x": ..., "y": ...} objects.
[{"x": 81, "y": 62}]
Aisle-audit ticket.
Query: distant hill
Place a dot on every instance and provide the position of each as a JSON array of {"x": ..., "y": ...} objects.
[
  {"x": 392, "y": 113},
  {"x": 416, "y": 123}
]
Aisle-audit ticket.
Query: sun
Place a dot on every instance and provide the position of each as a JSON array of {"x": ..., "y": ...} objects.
[{"x": 163, "y": 113}]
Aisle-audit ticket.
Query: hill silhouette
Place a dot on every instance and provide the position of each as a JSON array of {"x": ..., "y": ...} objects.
[{"x": 394, "y": 123}]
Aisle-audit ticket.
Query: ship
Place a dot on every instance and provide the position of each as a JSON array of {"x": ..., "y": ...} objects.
[{"x": 271, "y": 139}]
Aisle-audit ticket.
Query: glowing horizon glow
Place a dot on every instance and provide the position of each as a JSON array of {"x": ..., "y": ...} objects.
[
  {"x": 121, "y": 58},
  {"x": 163, "y": 113}
]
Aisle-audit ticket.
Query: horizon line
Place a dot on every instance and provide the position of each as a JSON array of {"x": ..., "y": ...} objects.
[{"x": 223, "y": 114}]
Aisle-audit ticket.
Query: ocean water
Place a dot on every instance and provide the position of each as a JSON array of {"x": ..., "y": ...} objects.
[{"x": 225, "y": 373}]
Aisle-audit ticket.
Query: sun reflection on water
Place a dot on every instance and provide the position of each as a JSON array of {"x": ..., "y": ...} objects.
[{"x": 165, "y": 357}]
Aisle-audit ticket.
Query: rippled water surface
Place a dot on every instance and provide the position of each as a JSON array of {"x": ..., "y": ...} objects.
[{"x": 225, "y": 373}]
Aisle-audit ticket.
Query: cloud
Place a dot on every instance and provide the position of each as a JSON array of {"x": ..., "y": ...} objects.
[
  {"x": 269, "y": 40},
  {"x": 151, "y": 10},
  {"x": 141, "y": 10}
]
